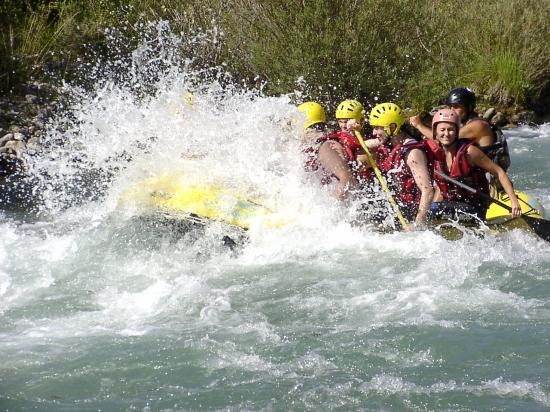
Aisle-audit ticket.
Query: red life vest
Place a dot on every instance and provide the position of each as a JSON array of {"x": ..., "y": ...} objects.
[
  {"x": 352, "y": 148},
  {"x": 348, "y": 141},
  {"x": 399, "y": 175},
  {"x": 463, "y": 172},
  {"x": 382, "y": 152}
]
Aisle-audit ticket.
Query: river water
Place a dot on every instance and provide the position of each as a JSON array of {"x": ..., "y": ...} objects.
[{"x": 101, "y": 310}]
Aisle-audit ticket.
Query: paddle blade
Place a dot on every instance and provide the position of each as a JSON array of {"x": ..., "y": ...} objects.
[{"x": 540, "y": 226}]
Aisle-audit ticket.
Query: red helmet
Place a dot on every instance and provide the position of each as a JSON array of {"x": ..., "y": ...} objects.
[{"x": 446, "y": 115}]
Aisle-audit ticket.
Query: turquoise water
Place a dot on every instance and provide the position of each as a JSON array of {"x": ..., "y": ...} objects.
[
  {"x": 101, "y": 310},
  {"x": 99, "y": 314}
]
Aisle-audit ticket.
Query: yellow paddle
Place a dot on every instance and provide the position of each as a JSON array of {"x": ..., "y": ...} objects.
[{"x": 382, "y": 181}]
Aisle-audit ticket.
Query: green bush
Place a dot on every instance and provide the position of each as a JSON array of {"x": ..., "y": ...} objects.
[{"x": 405, "y": 51}]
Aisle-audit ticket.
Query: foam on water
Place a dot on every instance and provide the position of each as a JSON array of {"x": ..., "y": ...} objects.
[{"x": 498, "y": 387}]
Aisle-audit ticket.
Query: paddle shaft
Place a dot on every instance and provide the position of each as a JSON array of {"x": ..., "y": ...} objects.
[
  {"x": 540, "y": 226},
  {"x": 472, "y": 190},
  {"x": 382, "y": 181}
]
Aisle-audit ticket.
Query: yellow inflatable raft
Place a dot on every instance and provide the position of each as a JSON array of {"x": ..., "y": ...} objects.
[
  {"x": 182, "y": 199},
  {"x": 498, "y": 219},
  {"x": 174, "y": 195},
  {"x": 529, "y": 206}
]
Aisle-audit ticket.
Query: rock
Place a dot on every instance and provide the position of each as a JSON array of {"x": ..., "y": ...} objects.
[
  {"x": 17, "y": 146},
  {"x": 40, "y": 121},
  {"x": 18, "y": 136},
  {"x": 489, "y": 113},
  {"x": 31, "y": 98},
  {"x": 6, "y": 138},
  {"x": 525, "y": 117},
  {"x": 499, "y": 119},
  {"x": 35, "y": 139},
  {"x": 23, "y": 118}
]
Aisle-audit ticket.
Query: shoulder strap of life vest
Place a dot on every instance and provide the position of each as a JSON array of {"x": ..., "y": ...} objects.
[{"x": 498, "y": 152}]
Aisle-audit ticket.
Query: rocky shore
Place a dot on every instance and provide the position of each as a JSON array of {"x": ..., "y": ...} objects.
[
  {"x": 24, "y": 117},
  {"x": 22, "y": 122}
]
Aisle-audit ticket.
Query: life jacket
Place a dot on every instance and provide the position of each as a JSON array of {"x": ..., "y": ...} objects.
[
  {"x": 434, "y": 147},
  {"x": 382, "y": 153},
  {"x": 352, "y": 148},
  {"x": 348, "y": 141},
  {"x": 463, "y": 172},
  {"x": 498, "y": 151},
  {"x": 399, "y": 175},
  {"x": 311, "y": 164},
  {"x": 311, "y": 161}
]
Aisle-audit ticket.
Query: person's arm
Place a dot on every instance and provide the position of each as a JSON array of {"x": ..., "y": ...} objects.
[
  {"x": 332, "y": 157},
  {"x": 418, "y": 164},
  {"x": 426, "y": 131},
  {"x": 478, "y": 131},
  {"x": 477, "y": 158},
  {"x": 373, "y": 143}
]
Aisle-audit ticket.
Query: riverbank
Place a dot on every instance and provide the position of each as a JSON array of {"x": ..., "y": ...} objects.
[{"x": 23, "y": 120}]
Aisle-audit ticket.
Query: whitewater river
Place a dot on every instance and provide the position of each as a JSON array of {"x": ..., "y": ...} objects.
[{"x": 101, "y": 310}]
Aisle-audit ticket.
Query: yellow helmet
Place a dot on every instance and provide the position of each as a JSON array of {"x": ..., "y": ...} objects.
[
  {"x": 314, "y": 113},
  {"x": 385, "y": 114},
  {"x": 350, "y": 109}
]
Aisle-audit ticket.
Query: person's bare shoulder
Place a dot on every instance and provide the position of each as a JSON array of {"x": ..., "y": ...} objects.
[{"x": 479, "y": 131}]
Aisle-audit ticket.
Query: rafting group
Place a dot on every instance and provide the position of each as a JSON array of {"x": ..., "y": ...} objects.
[
  {"x": 400, "y": 175},
  {"x": 445, "y": 171}
]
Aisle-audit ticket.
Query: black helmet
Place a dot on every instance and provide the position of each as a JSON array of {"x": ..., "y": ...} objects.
[{"x": 463, "y": 96}]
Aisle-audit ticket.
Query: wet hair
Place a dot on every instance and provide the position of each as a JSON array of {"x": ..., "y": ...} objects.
[
  {"x": 320, "y": 127},
  {"x": 412, "y": 132}
]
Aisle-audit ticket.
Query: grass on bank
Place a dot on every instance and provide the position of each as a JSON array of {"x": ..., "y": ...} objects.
[{"x": 407, "y": 51}]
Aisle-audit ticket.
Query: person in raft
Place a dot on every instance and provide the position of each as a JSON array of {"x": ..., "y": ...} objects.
[
  {"x": 490, "y": 138},
  {"x": 350, "y": 115},
  {"x": 406, "y": 162},
  {"x": 323, "y": 154},
  {"x": 463, "y": 101},
  {"x": 463, "y": 160}
]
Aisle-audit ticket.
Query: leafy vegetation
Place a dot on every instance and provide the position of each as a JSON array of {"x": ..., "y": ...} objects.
[{"x": 406, "y": 51}]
